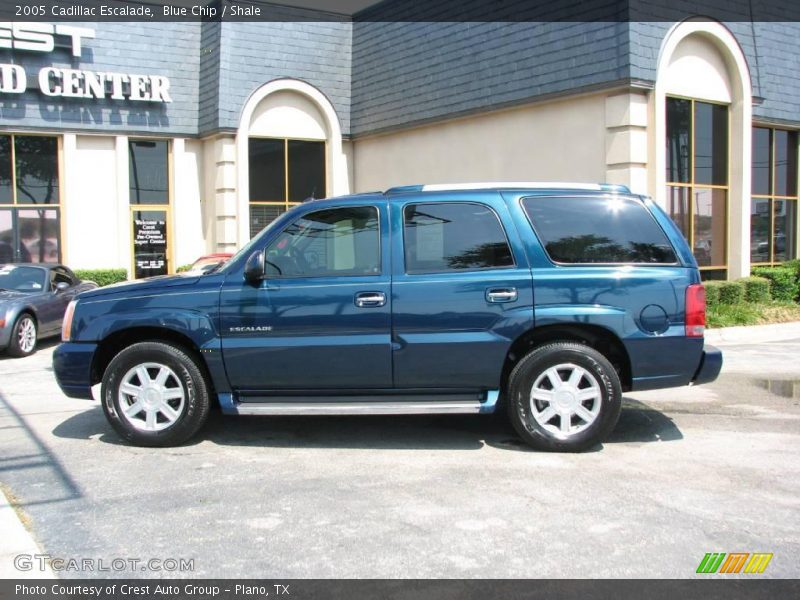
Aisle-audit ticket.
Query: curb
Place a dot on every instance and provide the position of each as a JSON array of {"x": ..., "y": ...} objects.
[
  {"x": 774, "y": 332},
  {"x": 17, "y": 540}
]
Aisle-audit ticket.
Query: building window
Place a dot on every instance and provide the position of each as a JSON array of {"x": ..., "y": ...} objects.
[
  {"x": 773, "y": 207},
  {"x": 283, "y": 173},
  {"x": 149, "y": 193},
  {"x": 697, "y": 179},
  {"x": 30, "y": 199}
]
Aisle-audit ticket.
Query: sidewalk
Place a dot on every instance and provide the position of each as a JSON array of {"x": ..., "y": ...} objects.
[
  {"x": 17, "y": 541},
  {"x": 775, "y": 332}
]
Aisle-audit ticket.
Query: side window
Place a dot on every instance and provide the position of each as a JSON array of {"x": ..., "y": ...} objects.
[
  {"x": 328, "y": 243},
  {"x": 453, "y": 236},
  {"x": 598, "y": 230}
]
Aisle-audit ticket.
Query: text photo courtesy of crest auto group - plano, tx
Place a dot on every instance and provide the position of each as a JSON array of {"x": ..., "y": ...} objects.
[{"x": 388, "y": 299}]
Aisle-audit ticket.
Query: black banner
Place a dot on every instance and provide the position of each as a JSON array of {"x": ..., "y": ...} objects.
[
  {"x": 399, "y": 10},
  {"x": 410, "y": 589}
]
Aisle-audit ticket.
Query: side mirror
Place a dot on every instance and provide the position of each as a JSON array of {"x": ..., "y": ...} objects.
[
  {"x": 254, "y": 268},
  {"x": 61, "y": 286}
]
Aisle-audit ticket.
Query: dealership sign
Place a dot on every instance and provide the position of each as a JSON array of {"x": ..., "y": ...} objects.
[{"x": 71, "y": 83}]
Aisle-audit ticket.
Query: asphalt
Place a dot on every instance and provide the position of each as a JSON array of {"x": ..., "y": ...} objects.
[{"x": 687, "y": 471}]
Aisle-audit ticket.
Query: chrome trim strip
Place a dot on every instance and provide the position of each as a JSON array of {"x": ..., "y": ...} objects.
[{"x": 358, "y": 408}]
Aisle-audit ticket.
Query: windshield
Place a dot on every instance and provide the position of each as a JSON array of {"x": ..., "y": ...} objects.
[{"x": 22, "y": 279}]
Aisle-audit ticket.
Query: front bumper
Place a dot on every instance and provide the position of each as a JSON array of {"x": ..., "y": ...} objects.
[
  {"x": 72, "y": 365},
  {"x": 710, "y": 366}
]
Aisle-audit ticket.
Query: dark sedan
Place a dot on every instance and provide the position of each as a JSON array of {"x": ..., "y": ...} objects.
[{"x": 33, "y": 298}]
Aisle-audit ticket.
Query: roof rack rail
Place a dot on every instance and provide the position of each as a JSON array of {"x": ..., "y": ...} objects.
[{"x": 482, "y": 185}]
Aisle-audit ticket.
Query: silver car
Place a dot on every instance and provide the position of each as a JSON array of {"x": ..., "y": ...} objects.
[{"x": 33, "y": 298}]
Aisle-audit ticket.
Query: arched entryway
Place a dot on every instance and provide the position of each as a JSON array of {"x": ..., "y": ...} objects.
[
  {"x": 289, "y": 149},
  {"x": 703, "y": 124}
]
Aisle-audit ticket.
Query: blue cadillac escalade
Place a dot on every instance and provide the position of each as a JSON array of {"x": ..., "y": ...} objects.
[{"x": 549, "y": 299}]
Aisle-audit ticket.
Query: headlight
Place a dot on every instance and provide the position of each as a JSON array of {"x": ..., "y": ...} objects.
[{"x": 66, "y": 326}]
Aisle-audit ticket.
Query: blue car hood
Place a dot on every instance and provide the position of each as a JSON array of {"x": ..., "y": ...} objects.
[{"x": 149, "y": 286}]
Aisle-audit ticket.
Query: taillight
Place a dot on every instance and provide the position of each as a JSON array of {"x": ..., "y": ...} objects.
[
  {"x": 66, "y": 326},
  {"x": 695, "y": 310}
]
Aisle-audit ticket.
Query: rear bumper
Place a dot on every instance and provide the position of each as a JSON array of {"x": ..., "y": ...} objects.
[
  {"x": 72, "y": 365},
  {"x": 710, "y": 365}
]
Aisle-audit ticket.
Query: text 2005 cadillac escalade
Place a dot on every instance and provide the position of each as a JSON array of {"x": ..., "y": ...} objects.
[{"x": 553, "y": 299}]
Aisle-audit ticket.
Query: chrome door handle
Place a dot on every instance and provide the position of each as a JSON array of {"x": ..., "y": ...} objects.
[
  {"x": 370, "y": 299},
  {"x": 498, "y": 295}
]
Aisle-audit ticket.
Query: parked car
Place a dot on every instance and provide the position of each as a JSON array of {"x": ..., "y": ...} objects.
[
  {"x": 33, "y": 298},
  {"x": 552, "y": 298},
  {"x": 210, "y": 261}
]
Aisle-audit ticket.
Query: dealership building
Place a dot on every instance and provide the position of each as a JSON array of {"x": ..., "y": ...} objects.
[{"x": 146, "y": 145}]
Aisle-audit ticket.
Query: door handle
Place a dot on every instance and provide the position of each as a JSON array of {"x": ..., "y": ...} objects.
[
  {"x": 499, "y": 295},
  {"x": 370, "y": 299}
]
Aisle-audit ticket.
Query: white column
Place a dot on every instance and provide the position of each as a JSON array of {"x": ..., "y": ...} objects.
[
  {"x": 230, "y": 212},
  {"x": 124, "y": 251},
  {"x": 626, "y": 140},
  {"x": 69, "y": 147}
]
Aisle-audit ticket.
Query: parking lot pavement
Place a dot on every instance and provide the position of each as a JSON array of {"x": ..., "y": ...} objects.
[{"x": 687, "y": 471}]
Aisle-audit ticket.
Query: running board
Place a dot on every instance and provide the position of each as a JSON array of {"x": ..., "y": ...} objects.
[{"x": 358, "y": 406}]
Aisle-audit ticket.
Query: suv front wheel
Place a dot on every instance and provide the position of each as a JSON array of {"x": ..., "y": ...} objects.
[
  {"x": 564, "y": 397},
  {"x": 154, "y": 394}
]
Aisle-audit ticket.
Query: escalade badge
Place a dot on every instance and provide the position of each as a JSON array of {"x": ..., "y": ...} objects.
[{"x": 250, "y": 329}]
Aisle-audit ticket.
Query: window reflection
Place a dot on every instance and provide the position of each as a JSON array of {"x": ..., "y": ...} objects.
[
  {"x": 148, "y": 171},
  {"x": 453, "y": 236},
  {"x": 762, "y": 159},
  {"x": 785, "y": 163},
  {"x": 710, "y": 144},
  {"x": 759, "y": 230},
  {"x": 36, "y": 160},
  {"x": 679, "y": 128},
  {"x": 710, "y": 217},
  {"x": 678, "y": 208},
  {"x": 785, "y": 239}
]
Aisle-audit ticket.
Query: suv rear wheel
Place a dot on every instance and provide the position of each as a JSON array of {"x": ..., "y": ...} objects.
[
  {"x": 154, "y": 394},
  {"x": 564, "y": 397}
]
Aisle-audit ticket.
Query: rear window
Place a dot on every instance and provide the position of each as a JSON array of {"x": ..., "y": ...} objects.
[{"x": 598, "y": 230}]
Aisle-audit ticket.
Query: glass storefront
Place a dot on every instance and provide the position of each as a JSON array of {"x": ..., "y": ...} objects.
[
  {"x": 773, "y": 206},
  {"x": 697, "y": 179},
  {"x": 30, "y": 199}
]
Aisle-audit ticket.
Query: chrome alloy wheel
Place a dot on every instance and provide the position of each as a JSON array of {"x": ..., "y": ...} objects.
[
  {"x": 565, "y": 400},
  {"x": 26, "y": 335},
  {"x": 151, "y": 397}
]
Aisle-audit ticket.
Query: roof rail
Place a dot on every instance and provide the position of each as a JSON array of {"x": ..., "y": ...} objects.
[{"x": 483, "y": 185}]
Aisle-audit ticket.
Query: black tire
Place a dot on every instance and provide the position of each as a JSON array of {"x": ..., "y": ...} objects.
[
  {"x": 185, "y": 372},
  {"x": 14, "y": 346},
  {"x": 535, "y": 366}
]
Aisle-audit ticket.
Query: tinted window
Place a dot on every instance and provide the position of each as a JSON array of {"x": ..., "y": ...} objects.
[
  {"x": 22, "y": 279},
  {"x": 679, "y": 127},
  {"x": 785, "y": 163},
  {"x": 267, "y": 170},
  {"x": 306, "y": 170},
  {"x": 711, "y": 143},
  {"x": 332, "y": 242},
  {"x": 762, "y": 159},
  {"x": 598, "y": 230},
  {"x": 453, "y": 236},
  {"x": 36, "y": 161},
  {"x": 148, "y": 169}
]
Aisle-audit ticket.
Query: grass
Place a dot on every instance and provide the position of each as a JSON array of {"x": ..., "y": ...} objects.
[{"x": 728, "y": 315}]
